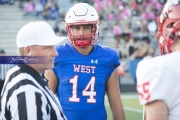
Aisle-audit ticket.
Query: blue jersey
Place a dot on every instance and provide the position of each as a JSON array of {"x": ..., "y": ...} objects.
[{"x": 82, "y": 80}]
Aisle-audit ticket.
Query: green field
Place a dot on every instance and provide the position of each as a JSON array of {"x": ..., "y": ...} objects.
[{"x": 133, "y": 110}]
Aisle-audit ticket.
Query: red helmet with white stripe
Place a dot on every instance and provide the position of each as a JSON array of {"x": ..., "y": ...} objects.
[
  {"x": 82, "y": 14},
  {"x": 169, "y": 25}
]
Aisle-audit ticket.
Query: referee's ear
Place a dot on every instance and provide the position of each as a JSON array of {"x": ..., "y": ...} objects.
[{"x": 27, "y": 51}]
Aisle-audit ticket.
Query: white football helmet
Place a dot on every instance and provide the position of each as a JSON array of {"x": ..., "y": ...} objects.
[
  {"x": 82, "y": 14},
  {"x": 169, "y": 25}
]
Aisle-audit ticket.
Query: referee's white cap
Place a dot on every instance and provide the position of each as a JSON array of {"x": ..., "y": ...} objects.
[{"x": 37, "y": 33}]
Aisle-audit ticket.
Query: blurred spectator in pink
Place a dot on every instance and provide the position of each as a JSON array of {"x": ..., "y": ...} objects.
[
  {"x": 111, "y": 16},
  {"x": 124, "y": 14},
  {"x": 118, "y": 3},
  {"x": 98, "y": 5},
  {"x": 151, "y": 15},
  {"x": 117, "y": 33},
  {"x": 144, "y": 15},
  {"x": 146, "y": 4},
  {"x": 158, "y": 6},
  {"x": 108, "y": 3},
  {"x": 29, "y": 8}
]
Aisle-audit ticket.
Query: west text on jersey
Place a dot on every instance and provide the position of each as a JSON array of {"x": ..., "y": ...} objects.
[{"x": 84, "y": 68}]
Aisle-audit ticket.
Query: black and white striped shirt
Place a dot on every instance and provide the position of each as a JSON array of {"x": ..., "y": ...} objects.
[{"x": 27, "y": 97}]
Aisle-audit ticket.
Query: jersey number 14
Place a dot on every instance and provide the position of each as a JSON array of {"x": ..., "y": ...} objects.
[{"x": 88, "y": 91}]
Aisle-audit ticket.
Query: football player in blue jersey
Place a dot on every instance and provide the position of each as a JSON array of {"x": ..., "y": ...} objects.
[{"x": 84, "y": 72}]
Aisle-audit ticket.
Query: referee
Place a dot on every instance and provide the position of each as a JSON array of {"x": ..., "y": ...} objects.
[{"x": 25, "y": 95}]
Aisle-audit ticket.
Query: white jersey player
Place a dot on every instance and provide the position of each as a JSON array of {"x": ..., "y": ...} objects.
[{"x": 158, "y": 79}]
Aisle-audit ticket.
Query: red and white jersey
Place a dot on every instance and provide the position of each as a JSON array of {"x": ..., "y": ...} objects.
[{"x": 159, "y": 79}]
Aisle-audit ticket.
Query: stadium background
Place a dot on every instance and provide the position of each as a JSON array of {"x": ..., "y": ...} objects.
[{"x": 136, "y": 19}]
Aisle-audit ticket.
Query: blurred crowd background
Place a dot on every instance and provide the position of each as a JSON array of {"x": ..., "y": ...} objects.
[{"x": 129, "y": 26}]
